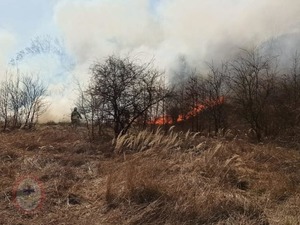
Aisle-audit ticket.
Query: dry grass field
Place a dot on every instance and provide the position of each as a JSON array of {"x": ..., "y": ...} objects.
[{"x": 149, "y": 178}]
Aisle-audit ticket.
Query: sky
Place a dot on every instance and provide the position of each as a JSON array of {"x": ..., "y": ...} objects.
[{"x": 79, "y": 32}]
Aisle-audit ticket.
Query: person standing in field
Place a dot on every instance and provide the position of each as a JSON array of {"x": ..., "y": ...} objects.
[{"x": 75, "y": 117}]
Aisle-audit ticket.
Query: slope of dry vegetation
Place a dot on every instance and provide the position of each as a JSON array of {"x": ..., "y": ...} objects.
[{"x": 152, "y": 178}]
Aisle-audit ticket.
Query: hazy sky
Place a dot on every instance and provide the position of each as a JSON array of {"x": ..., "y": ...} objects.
[{"x": 200, "y": 30}]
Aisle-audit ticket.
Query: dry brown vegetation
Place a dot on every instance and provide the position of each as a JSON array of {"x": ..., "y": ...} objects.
[{"x": 150, "y": 178}]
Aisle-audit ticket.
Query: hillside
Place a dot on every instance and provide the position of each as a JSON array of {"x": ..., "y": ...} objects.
[{"x": 149, "y": 178}]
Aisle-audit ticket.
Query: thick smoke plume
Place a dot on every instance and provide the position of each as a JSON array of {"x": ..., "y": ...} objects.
[
  {"x": 199, "y": 30},
  {"x": 166, "y": 30}
]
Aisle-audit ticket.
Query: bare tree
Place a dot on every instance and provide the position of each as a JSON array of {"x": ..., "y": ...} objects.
[
  {"x": 4, "y": 104},
  {"x": 125, "y": 90},
  {"x": 215, "y": 93},
  {"x": 193, "y": 99},
  {"x": 22, "y": 101},
  {"x": 252, "y": 85},
  {"x": 16, "y": 99},
  {"x": 90, "y": 106},
  {"x": 294, "y": 80},
  {"x": 185, "y": 94},
  {"x": 287, "y": 97},
  {"x": 34, "y": 105}
]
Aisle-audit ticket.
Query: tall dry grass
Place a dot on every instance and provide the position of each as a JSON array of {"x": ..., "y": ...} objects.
[
  {"x": 195, "y": 180},
  {"x": 159, "y": 139},
  {"x": 154, "y": 177}
]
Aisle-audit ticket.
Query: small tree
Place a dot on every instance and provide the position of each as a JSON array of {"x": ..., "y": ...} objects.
[
  {"x": 21, "y": 101},
  {"x": 253, "y": 84},
  {"x": 193, "y": 98},
  {"x": 4, "y": 104},
  {"x": 34, "y": 93},
  {"x": 91, "y": 107},
  {"x": 16, "y": 100},
  {"x": 126, "y": 90},
  {"x": 215, "y": 92}
]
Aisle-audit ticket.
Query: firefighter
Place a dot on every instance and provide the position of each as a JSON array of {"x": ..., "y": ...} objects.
[{"x": 75, "y": 117}]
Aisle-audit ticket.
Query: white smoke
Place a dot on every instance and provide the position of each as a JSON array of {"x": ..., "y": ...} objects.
[
  {"x": 199, "y": 30},
  {"x": 7, "y": 45}
]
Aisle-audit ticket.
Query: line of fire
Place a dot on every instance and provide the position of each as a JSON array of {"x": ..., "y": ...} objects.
[{"x": 200, "y": 107}]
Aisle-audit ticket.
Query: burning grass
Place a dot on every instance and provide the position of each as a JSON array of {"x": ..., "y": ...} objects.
[{"x": 153, "y": 177}]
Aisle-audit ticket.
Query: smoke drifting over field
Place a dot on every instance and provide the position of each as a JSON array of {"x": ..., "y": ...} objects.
[
  {"x": 7, "y": 42},
  {"x": 167, "y": 29},
  {"x": 199, "y": 30}
]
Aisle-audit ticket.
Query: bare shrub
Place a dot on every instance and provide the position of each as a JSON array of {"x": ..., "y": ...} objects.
[
  {"x": 121, "y": 91},
  {"x": 22, "y": 101}
]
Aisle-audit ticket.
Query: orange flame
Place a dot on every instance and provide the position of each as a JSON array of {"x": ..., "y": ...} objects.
[
  {"x": 162, "y": 120},
  {"x": 194, "y": 112}
]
